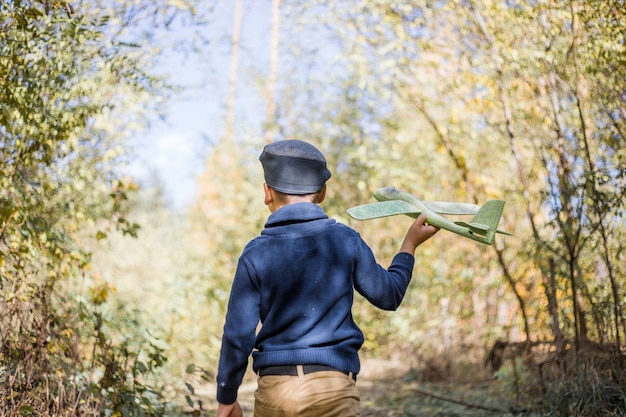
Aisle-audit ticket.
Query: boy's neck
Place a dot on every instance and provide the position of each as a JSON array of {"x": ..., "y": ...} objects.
[{"x": 275, "y": 200}]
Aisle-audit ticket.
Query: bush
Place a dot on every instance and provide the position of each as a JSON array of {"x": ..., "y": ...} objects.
[{"x": 588, "y": 394}]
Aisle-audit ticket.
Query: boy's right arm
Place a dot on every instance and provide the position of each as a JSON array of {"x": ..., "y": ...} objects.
[
  {"x": 418, "y": 233},
  {"x": 242, "y": 318}
]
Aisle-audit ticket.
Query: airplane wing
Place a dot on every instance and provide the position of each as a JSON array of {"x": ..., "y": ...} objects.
[
  {"x": 444, "y": 207},
  {"x": 395, "y": 207},
  {"x": 383, "y": 209}
]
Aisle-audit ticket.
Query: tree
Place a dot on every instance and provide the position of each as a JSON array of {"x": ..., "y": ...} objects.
[{"x": 65, "y": 71}]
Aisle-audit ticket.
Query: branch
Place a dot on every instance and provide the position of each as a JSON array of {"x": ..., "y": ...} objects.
[{"x": 460, "y": 402}]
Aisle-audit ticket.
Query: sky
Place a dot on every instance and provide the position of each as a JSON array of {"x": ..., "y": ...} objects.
[{"x": 173, "y": 151}]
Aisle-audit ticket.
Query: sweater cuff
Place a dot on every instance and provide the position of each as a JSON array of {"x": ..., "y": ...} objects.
[
  {"x": 404, "y": 259},
  {"x": 226, "y": 395}
]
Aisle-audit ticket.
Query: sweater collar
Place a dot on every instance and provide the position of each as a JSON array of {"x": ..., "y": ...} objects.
[{"x": 295, "y": 213}]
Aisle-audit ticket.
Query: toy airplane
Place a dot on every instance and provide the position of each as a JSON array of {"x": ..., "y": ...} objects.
[{"x": 482, "y": 228}]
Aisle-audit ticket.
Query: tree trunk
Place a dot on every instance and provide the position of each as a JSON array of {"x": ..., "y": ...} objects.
[
  {"x": 553, "y": 307},
  {"x": 234, "y": 67},
  {"x": 270, "y": 122}
]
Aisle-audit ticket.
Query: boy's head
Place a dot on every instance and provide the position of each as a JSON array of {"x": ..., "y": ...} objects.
[{"x": 294, "y": 167}]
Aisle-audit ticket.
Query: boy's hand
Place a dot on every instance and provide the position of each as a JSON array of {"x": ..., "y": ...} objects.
[
  {"x": 418, "y": 233},
  {"x": 229, "y": 410}
]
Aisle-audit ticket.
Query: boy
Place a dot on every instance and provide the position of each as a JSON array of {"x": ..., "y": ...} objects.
[{"x": 298, "y": 279}]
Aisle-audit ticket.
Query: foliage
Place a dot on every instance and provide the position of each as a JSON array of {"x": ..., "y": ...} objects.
[
  {"x": 481, "y": 85},
  {"x": 64, "y": 73},
  {"x": 169, "y": 283},
  {"x": 587, "y": 394}
]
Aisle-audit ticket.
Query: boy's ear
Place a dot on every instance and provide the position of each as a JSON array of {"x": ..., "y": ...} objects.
[
  {"x": 322, "y": 195},
  {"x": 268, "y": 194}
]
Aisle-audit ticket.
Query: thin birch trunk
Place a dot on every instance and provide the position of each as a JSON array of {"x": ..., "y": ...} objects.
[
  {"x": 270, "y": 122},
  {"x": 234, "y": 67}
]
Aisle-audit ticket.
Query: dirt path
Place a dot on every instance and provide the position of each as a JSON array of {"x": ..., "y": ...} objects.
[{"x": 388, "y": 389}]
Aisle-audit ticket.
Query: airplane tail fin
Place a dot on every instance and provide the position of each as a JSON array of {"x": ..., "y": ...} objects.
[{"x": 485, "y": 222}]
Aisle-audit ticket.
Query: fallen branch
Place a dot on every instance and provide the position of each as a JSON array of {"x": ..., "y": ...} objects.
[{"x": 456, "y": 401}]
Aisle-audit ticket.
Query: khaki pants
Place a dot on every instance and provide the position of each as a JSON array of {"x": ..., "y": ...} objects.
[{"x": 318, "y": 394}]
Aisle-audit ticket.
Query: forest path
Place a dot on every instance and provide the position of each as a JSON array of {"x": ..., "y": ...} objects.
[{"x": 389, "y": 389}]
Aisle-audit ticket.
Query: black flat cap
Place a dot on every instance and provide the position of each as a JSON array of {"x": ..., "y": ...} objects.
[{"x": 294, "y": 167}]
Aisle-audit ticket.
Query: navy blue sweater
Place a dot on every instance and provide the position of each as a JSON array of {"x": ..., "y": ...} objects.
[{"x": 298, "y": 279}]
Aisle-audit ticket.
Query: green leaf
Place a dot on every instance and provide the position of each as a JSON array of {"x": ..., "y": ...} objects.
[
  {"x": 26, "y": 410},
  {"x": 190, "y": 388}
]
